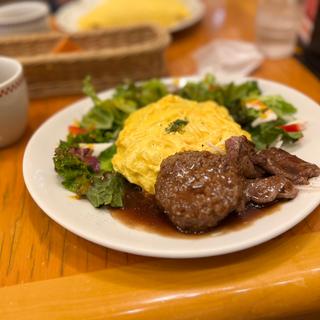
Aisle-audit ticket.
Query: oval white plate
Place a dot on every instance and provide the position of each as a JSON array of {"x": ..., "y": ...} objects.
[
  {"x": 98, "y": 226},
  {"x": 68, "y": 15}
]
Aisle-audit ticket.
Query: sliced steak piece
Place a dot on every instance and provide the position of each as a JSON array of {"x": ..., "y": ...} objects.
[
  {"x": 266, "y": 190},
  {"x": 279, "y": 162},
  {"x": 240, "y": 151},
  {"x": 197, "y": 189}
]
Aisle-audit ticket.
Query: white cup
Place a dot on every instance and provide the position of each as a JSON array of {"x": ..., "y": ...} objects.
[{"x": 13, "y": 101}]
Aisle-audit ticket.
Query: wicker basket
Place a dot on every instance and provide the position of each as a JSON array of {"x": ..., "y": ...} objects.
[{"x": 109, "y": 56}]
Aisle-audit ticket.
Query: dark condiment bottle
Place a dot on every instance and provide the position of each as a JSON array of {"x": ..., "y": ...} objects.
[{"x": 309, "y": 36}]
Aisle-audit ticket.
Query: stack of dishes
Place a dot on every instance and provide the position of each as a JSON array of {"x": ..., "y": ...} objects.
[{"x": 24, "y": 17}]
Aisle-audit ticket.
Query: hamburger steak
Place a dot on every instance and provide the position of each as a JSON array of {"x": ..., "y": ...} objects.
[
  {"x": 281, "y": 163},
  {"x": 266, "y": 190},
  {"x": 197, "y": 189}
]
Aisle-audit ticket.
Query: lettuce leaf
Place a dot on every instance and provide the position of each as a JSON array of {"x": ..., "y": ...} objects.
[
  {"x": 142, "y": 94},
  {"x": 267, "y": 133},
  {"x": 107, "y": 189},
  {"x": 105, "y": 119},
  {"x": 100, "y": 188},
  {"x": 231, "y": 95},
  {"x": 76, "y": 174},
  {"x": 93, "y": 136},
  {"x": 89, "y": 91},
  {"x": 97, "y": 118},
  {"x": 279, "y": 106},
  {"x": 105, "y": 158}
]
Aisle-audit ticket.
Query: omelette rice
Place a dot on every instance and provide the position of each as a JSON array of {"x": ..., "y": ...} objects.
[
  {"x": 113, "y": 13},
  {"x": 145, "y": 139}
]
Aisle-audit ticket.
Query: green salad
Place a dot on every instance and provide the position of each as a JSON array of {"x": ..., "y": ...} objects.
[{"x": 269, "y": 120}]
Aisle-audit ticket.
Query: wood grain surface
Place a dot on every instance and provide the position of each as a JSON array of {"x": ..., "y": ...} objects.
[
  {"x": 277, "y": 274},
  {"x": 277, "y": 280}
]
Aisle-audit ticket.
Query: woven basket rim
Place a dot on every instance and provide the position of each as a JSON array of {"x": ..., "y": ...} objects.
[
  {"x": 161, "y": 40},
  {"x": 127, "y": 52},
  {"x": 53, "y": 33}
]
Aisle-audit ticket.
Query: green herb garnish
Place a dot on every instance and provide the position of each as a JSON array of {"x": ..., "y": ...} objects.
[{"x": 177, "y": 126}]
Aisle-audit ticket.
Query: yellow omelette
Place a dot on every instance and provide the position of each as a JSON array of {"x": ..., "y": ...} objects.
[
  {"x": 112, "y": 13},
  {"x": 146, "y": 138}
]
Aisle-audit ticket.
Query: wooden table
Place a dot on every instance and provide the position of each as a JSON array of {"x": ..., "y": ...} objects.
[{"x": 46, "y": 272}]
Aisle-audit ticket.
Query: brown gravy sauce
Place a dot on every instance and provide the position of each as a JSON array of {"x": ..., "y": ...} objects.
[{"x": 141, "y": 212}]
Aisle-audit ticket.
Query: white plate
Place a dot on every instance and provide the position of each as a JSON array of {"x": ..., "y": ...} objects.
[
  {"x": 98, "y": 226},
  {"x": 68, "y": 15}
]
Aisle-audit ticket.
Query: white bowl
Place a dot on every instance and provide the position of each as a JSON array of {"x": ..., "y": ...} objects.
[{"x": 24, "y": 17}]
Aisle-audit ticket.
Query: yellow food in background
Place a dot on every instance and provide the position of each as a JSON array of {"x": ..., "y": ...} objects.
[
  {"x": 144, "y": 142},
  {"x": 110, "y": 13}
]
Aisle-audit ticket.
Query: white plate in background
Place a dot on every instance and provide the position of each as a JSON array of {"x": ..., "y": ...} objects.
[{"x": 68, "y": 15}]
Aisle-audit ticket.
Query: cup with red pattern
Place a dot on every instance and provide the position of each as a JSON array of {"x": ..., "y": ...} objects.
[{"x": 14, "y": 101}]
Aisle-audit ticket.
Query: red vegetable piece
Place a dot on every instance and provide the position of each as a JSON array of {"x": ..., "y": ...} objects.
[
  {"x": 74, "y": 130},
  {"x": 294, "y": 127}
]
